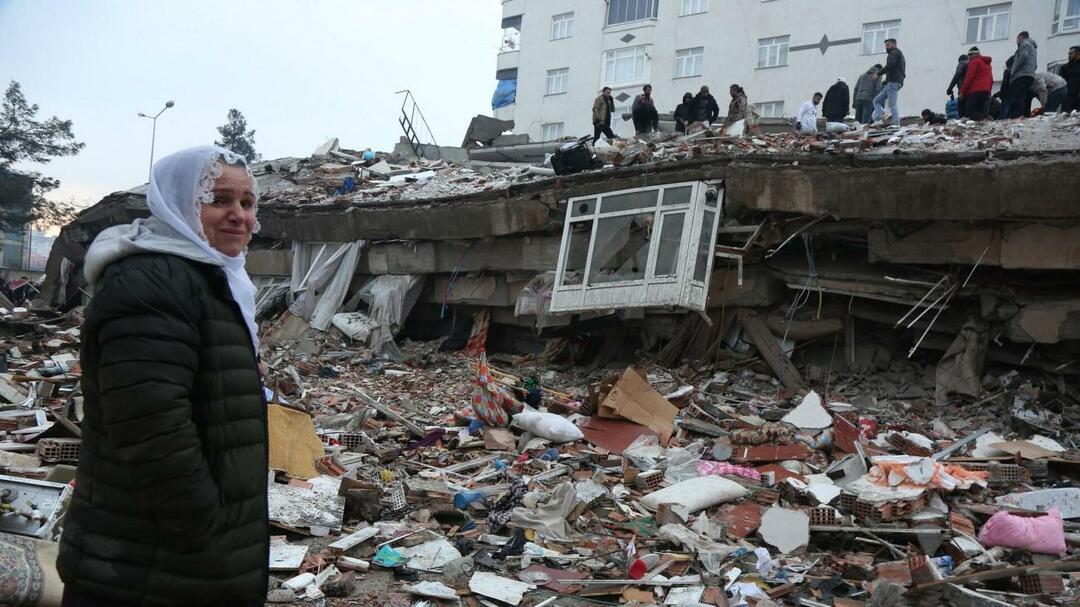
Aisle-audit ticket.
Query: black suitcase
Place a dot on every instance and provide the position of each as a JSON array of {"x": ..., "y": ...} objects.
[{"x": 572, "y": 158}]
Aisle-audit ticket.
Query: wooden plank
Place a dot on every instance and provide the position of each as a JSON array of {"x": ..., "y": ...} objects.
[
  {"x": 770, "y": 351},
  {"x": 354, "y": 539}
]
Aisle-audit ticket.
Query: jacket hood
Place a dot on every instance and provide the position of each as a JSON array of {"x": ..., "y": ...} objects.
[
  {"x": 1029, "y": 41},
  {"x": 142, "y": 236},
  {"x": 987, "y": 59}
]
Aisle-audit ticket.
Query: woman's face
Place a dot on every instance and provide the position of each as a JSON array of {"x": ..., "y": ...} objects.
[{"x": 229, "y": 220}]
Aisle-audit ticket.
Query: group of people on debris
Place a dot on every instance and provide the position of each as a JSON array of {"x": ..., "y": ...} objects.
[
  {"x": 18, "y": 291},
  {"x": 876, "y": 90}
]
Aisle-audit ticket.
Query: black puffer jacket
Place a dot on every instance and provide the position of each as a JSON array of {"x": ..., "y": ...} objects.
[{"x": 170, "y": 497}]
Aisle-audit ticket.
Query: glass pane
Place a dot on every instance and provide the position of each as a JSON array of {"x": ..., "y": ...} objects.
[
  {"x": 677, "y": 195},
  {"x": 622, "y": 249},
  {"x": 667, "y": 255},
  {"x": 704, "y": 251},
  {"x": 783, "y": 55},
  {"x": 628, "y": 201},
  {"x": 584, "y": 207},
  {"x": 1001, "y": 28},
  {"x": 574, "y": 271},
  {"x": 973, "y": 29}
]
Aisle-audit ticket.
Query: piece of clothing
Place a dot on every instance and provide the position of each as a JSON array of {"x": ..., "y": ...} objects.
[
  {"x": 958, "y": 75},
  {"x": 76, "y": 599},
  {"x": 1020, "y": 96},
  {"x": 979, "y": 77},
  {"x": 705, "y": 109},
  {"x": 1025, "y": 60},
  {"x": 602, "y": 129},
  {"x": 806, "y": 119},
  {"x": 864, "y": 111},
  {"x": 997, "y": 108},
  {"x": 936, "y": 118},
  {"x": 736, "y": 109},
  {"x": 895, "y": 67},
  {"x": 170, "y": 500},
  {"x": 1054, "y": 99},
  {"x": 682, "y": 116},
  {"x": 836, "y": 103},
  {"x": 180, "y": 184},
  {"x": 867, "y": 87},
  {"x": 891, "y": 94},
  {"x": 1044, "y": 83},
  {"x": 977, "y": 106},
  {"x": 1071, "y": 73},
  {"x": 602, "y": 109},
  {"x": 646, "y": 118}
]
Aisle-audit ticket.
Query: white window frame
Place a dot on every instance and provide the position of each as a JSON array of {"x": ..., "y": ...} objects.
[
  {"x": 700, "y": 218},
  {"x": 552, "y": 131},
  {"x": 997, "y": 15},
  {"x": 631, "y": 11},
  {"x": 876, "y": 33},
  {"x": 770, "y": 109},
  {"x": 562, "y": 26},
  {"x": 693, "y": 7},
  {"x": 689, "y": 62},
  {"x": 773, "y": 52},
  {"x": 556, "y": 81},
  {"x": 636, "y": 54},
  {"x": 1066, "y": 17}
]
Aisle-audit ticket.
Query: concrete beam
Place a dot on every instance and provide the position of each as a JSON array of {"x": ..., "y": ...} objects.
[
  {"x": 534, "y": 252},
  {"x": 1036, "y": 246}
]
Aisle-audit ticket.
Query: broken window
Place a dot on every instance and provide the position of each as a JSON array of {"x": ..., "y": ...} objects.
[
  {"x": 511, "y": 35},
  {"x": 642, "y": 247}
]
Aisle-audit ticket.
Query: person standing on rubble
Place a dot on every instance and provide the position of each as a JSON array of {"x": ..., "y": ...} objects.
[
  {"x": 866, "y": 88},
  {"x": 737, "y": 121},
  {"x": 837, "y": 98},
  {"x": 646, "y": 118},
  {"x": 602, "y": 109},
  {"x": 1071, "y": 73},
  {"x": 705, "y": 110},
  {"x": 895, "y": 73},
  {"x": 957, "y": 80},
  {"x": 806, "y": 120},
  {"x": 682, "y": 112},
  {"x": 978, "y": 82},
  {"x": 170, "y": 501},
  {"x": 1022, "y": 75}
]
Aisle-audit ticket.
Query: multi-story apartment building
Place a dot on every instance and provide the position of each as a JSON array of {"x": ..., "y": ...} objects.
[{"x": 559, "y": 53}]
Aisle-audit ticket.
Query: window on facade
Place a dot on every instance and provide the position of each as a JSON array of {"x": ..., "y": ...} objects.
[
  {"x": 551, "y": 131},
  {"x": 511, "y": 36},
  {"x": 694, "y": 7},
  {"x": 1066, "y": 16},
  {"x": 770, "y": 109},
  {"x": 874, "y": 35},
  {"x": 556, "y": 81},
  {"x": 624, "y": 11},
  {"x": 688, "y": 62},
  {"x": 772, "y": 51},
  {"x": 635, "y": 248},
  {"x": 988, "y": 23},
  {"x": 624, "y": 65},
  {"x": 562, "y": 26}
]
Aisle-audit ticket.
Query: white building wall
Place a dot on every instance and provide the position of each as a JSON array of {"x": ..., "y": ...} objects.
[{"x": 932, "y": 35}]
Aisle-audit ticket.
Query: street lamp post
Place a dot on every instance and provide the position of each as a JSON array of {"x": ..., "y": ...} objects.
[{"x": 153, "y": 136}]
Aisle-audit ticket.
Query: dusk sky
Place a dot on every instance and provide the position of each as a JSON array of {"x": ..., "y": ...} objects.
[{"x": 300, "y": 72}]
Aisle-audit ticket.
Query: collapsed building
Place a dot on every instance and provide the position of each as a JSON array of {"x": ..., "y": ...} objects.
[{"x": 911, "y": 244}]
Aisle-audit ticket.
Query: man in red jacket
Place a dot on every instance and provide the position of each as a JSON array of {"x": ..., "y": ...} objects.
[{"x": 978, "y": 82}]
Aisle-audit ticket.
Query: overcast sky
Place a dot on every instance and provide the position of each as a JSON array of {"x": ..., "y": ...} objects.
[{"x": 300, "y": 72}]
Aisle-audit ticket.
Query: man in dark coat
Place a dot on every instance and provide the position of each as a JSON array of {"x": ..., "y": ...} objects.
[
  {"x": 682, "y": 112},
  {"x": 705, "y": 108},
  {"x": 1071, "y": 73},
  {"x": 895, "y": 74},
  {"x": 646, "y": 118},
  {"x": 866, "y": 88},
  {"x": 957, "y": 80},
  {"x": 837, "y": 100}
]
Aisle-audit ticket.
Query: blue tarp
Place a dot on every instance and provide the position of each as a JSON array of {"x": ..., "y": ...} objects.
[{"x": 505, "y": 94}]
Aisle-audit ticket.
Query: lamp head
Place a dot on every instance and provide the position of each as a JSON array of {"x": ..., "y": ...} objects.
[{"x": 170, "y": 103}]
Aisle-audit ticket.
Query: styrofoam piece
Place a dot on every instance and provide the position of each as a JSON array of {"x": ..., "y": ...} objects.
[
  {"x": 1066, "y": 499},
  {"x": 786, "y": 530},
  {"x": 809, "y": 415},
  {"x": 499, "y": 588}
]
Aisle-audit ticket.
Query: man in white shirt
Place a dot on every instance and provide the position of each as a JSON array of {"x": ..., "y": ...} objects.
[{"x": 806, "y": 120}]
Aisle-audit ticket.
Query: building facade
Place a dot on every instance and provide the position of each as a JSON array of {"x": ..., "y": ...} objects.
[{"x": 557, "y": 54}]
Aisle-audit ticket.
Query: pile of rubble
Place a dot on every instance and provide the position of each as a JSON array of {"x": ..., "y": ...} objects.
[{"x": 446, "y": 478}]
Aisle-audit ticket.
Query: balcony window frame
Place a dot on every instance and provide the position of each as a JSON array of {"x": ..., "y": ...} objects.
[{"x": 649, "y": 12}]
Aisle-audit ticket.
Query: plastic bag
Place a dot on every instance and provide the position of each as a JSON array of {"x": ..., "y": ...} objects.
[
  {"x": 682, "y": 462},
  {"x": 548, "y": 425},
  {"x": 1042, "y": 534},
  {"x": 645, "y": 452}
]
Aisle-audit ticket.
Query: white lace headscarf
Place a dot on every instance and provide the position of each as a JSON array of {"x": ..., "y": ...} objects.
[{"x": 180, "y": 184}]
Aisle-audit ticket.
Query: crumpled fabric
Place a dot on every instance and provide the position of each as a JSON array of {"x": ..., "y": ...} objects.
[
  {"x": 711, "y": 468},
  {"x": 960, "y": 370},
  {"x": 711, "y": 554},
  {"x": 549, "y": 519},
  {"x": 499, "y": 515},
  {"x": 492, "y": 403}
]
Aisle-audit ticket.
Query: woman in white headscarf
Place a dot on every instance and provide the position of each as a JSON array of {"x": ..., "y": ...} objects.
[{"x": 170, "y": 497}]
